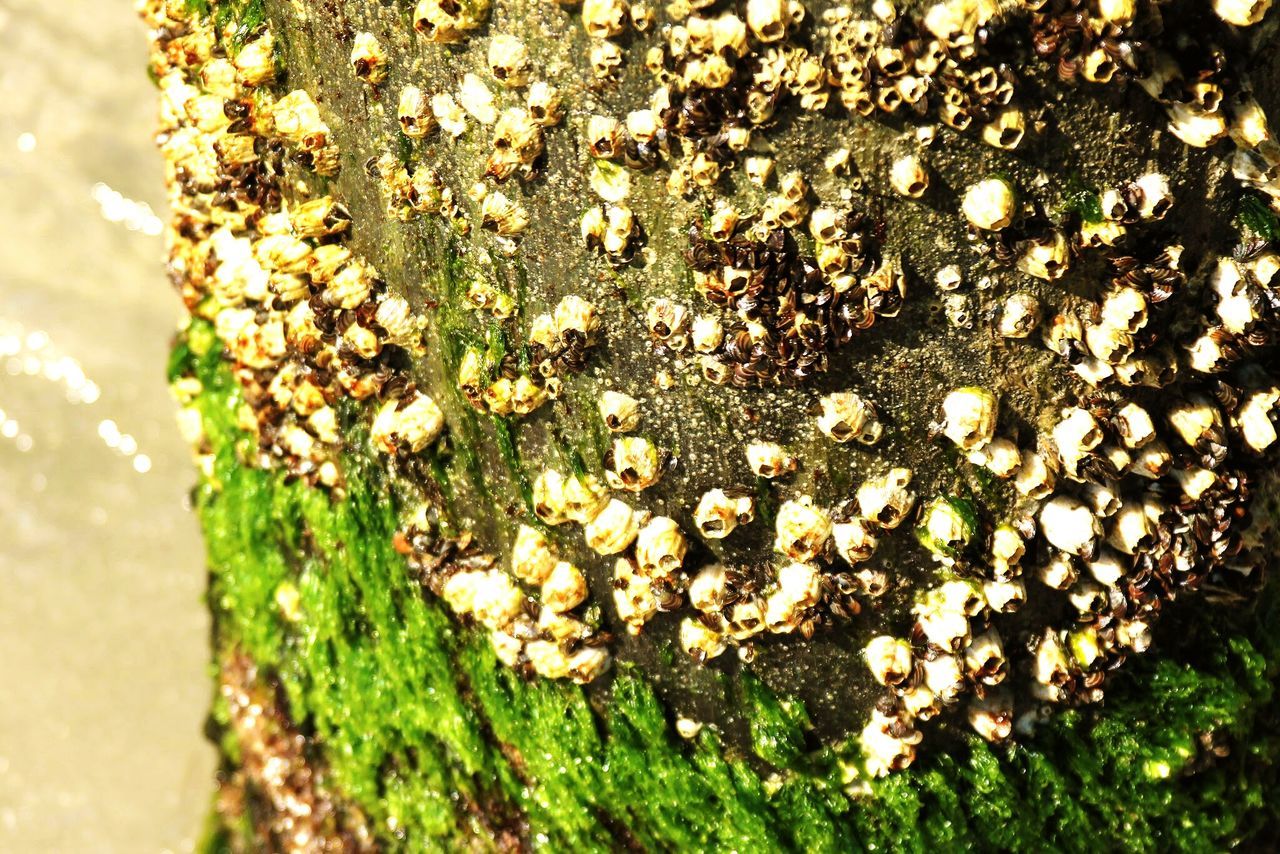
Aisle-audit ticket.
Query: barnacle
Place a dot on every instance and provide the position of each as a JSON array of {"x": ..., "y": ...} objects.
[{"x": 1139, "y": 489}]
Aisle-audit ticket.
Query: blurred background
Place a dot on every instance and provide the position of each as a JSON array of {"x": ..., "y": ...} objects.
[{"x": 103, "y": 634}]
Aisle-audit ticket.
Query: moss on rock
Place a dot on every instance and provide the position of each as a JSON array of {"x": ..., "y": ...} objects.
[{"x": 420, "y": 727}]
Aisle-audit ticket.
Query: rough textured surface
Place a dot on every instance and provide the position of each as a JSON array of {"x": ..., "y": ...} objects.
[
  {"x": 904, "y": 364},
  {"x": 439, "y": 744},
  {"x": 414, "y": 728}
]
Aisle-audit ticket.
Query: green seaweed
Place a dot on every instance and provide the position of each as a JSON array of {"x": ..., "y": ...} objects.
[
  {"x": 1255, "y": 216},
  {"x": 766, "y": 501},
  {"x": 421, "y": 727},
  {"x": 245, "y": 18},
  {"x": 1082, "y": 200},
  {"x": 510, "y": 453}
]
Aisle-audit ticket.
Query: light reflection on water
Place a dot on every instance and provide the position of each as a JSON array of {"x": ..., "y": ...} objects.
[{"x": 103, "y": 631}]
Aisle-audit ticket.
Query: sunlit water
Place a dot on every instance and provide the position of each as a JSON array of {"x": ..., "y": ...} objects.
[{"x": 103, "y": 635}]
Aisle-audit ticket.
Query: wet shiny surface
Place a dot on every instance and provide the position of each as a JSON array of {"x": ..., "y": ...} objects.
[{"x": 103, "y": 631}]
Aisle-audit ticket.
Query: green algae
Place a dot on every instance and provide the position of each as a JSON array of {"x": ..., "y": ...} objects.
[
  {"x": 504, "y": 429},
  {"x": 1082, "y": 200},
  {"x": 1255, "y": 217},
  {"x": 244, "y": 17},
  {"x": 422, "y": 728}
]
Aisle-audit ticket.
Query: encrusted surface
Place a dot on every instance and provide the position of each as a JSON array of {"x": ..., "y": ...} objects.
[{"x": 1016, "y": 338}]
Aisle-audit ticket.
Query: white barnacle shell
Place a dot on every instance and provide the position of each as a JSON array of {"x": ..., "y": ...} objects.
[
  {"x": 885, "y": 501},
  {"x": 969, "y": 417},
  {"x": 565, "y": 588},
  {"x": 1076, "y": 434},
  {"x": 718, "y": 513},
  {"x": 1242, "y": 13},
  {"x": 799, "y": 584},
  {"x": 989, "y": 204},
  {"x": 508, "y": 60},
  {"x": 991, "y": 716},
  {"x": 1000, "y": 456},
  {"x": 855, "y": 540},
  {"x": 699, "y": 640},
  {"x": 660, "y": 547},
  {"x": 1007, "y": 550},
  {"x": 1119, "y": 12},
  {"x": 945, "y": 528},
  {"x": 633, "y": 464},
  {"x": 1005, "y": 597},
  {"x": 369, "y": 59},
  {"x": 706, "y": 333},
  {"x": 1050, "y": 666},
  {"x": 575, "y": 315},
  {"x": 414, "y": 113},
  {"x": 885, "y": 747},
  {"x": 1134, "y": 425},
  {"x": 612, "y": 529},
  {"x": 1134, "y": 634},
  {"x": 1196, "y": 126},
  {"x": 1104, "y": 498},
  {"x": 1153, "y": 460},
  {"x": 620, "y": 412},
  {"x": 1047, "y": 258},
  {"x": 548, "y": 497},
  {"x": 984, "y": 658},
  {"x": 803, "y": 529},
  {"x": 909, "y": 177},
  {"x": 1019, "y": 315},
  {"x": 1157, "y": 197},
  {"x": 476, "y": 99},
  {"x": 1034, "y": 478},
  {"x": 604, "y": 18},
  {"x": 1059, "y": 573},
  {"x": 846, "y": 416},
  {"x": 1195, "y": 420},
  {"x": 497, "y": 599},
  {"x": 1006, "y": 130},
  {"x": 410, "y": 425},
  {"x": 587, "y": 663},
  {"x": 945, "y": 677},
  {"x": 709, "y": 588},
  {"x": 1255, "y": 421},
  {"x": 1130, "y": 529},
  {"x": 1070, "y": 525},
  {"x": 769, "y": 459},
  {"x": 547, "y": 659},
  {"x": 632, "y": 595},
  {"x": 889, "y": 660},
  {"x": 582, "y": 497},
  {"x": 945, "y": 629},
  {"x": 532, "y": 558},
  {"x": 1108, "y": 567}
]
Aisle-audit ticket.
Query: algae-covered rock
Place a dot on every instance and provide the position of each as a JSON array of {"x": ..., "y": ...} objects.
[{"x": 730, "y": 426}]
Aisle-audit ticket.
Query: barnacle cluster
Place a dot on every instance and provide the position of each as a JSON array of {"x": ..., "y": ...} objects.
[
  {"x": 929, "y": 66},
  {"x": 648, "y": 551},
  {"x": 275, "y": 764},
  {"x": 516, "y": 120},
  {"x": 449, "y": 21},
  {"x": 412, "y": 190},
  {"x": 793, "y": 310},
  {"x": 531, "y": 608},
  {"x": 820, "y": 581},
  {"x": 1134, "y": 488},
  {"x": 508, "y": 383},
  {"x": 1123, "y": 508},
  {"x": 304, "y": 320}
]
